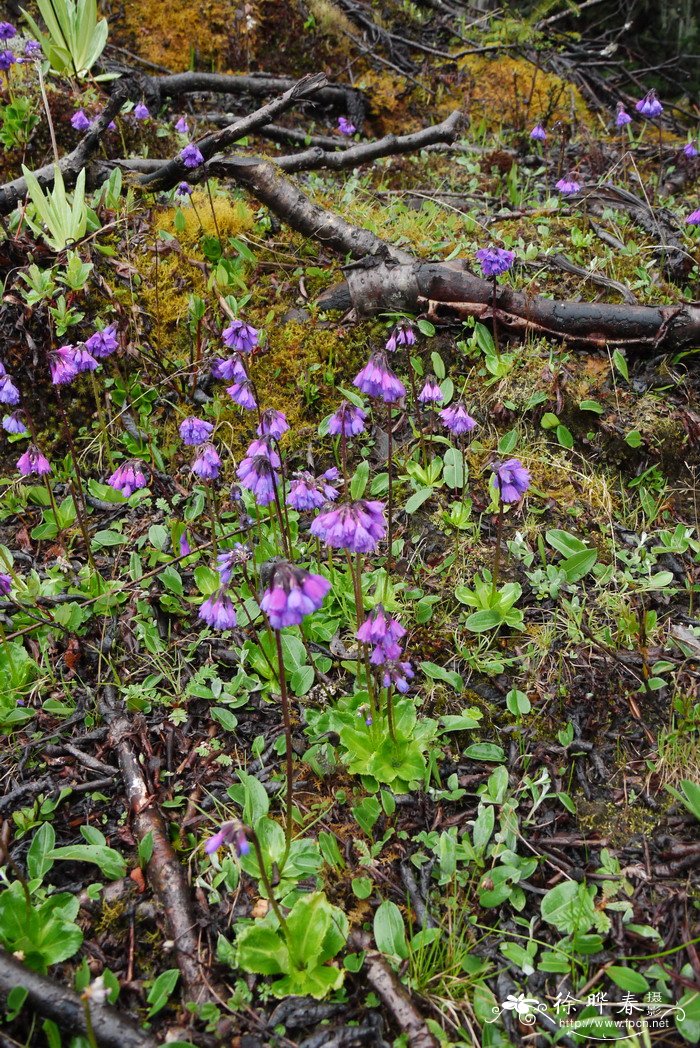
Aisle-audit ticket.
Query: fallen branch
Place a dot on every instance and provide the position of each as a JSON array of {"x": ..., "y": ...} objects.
[
  {"x": 165, "y": 873},
  {"x": 349, "y": 99},
  {"x": 65, "y": 1008}
]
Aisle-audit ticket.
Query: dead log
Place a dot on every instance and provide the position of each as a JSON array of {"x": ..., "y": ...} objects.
[{"x": 60, "y": 1004}]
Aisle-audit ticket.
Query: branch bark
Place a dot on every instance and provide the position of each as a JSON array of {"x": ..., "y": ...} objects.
[
  {"x": 178, "y": 84},
  {"x": 65, "y": 1008}
]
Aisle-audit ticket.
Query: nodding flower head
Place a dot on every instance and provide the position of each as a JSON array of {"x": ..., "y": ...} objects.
[
  {"x": 690, "y": 150},
  {"x": 291, "y": 593},
  {"x": 184, "y": 545},
  {"x": 356, "y": 526},
  {"x": 567, "y": 186},
  {"x": 13, "y": 423},
  {"x": 79, "y": 121},
  {"x": 398, "y": 674},
  {"x": 457, "y": 419},
  {"x": 218, "y": 611},
  {"x": 431, "y": 392},
  {"x": 229, "y": 833},
  {"x": 345, "y": 126},
  {"x": 227, "y": 560},
  {"x": 229, "y": 368},
  {"x": 693, "y": 218},
  {"x": 240, "y": 336},
  {"x": 258, "y": 475},
  {"x": 7, "y": 59},
  {"x": 207, "y": 465},
  {"x": 191, "y": 156},
  {"x": 9, "y": 394},
  {"x": 538, "y": 133},
  {"x": 383, "y": 632},
  {"x": 81, "y": 358},
  {"x": 495, "y": 260},
  {"x": 243, "y": 394},
  {"x": 103, "y": 343},
  {"x": 7, "y": 31},
  {"x": 128, "y": 478},
  {"x": 649, "y": 105},
  {"x": 273, "y": 423},
  {"x": 183, "y": 190},
  {"x": 33, "y": 463},
  {"x": 5, "y": 584},
  {"x": 348, "y": 420},
  {"x": 307, "y": 492},
  {"x": 622, "y": 117},
  {"x": 62, "y": 365},
  {"x": 402, "y": 335},
  {"x": 512, "y": 480},
  {"x": 195, "y": 431},
  {"x": 266, "y": 446},
  {"x": 32, "y": 50},
  {"x": 182, "y": 127},
  {"x": 141, "y": 111},
  {"x": 376, "y": 379}
]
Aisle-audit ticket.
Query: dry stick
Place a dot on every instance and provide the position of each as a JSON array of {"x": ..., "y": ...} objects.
[
  {"x": 58, "y": 1003},
  {"x": 165, "y": 873}
]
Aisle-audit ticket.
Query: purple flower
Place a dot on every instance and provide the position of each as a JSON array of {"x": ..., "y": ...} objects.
[
  {"x": 693, "y": 218},
  {"x": 240, "y": 336},
  {"x": 431, "y": 392},
  {"x": 538, "y": 133},
  {"x": 307, "y": 492},
  {"x": 184, "y": 545},
  {"x": 207, "y": 465},
  {"x": 7, "y": 59},
  {"x": 567, "y": 186},
  {"x": 512, "y": 480},
  {"x": 649, "y": 105},
  {"x": 32, "y": 49},
  {"x": 9, "y": 394},
  {"x": 103, "y": 343},
  {"x": 272, "y": 423},
  {"x": 182, "y": 126},
  {"x": 63, "y": 368},
  {"x": 383, "y": 633},
  {"x": 398, "y": 674},
  {"x": 227, "y": 560},
  {"x": 348, "y": 420},
  {"x": 457, "y": 419},
  {"x": 79, "y": 121},
  {"x": 191, "y": 156},
  {"x": 622, "y": 118},
  {"x": 218, "y": 611},
  {"x": 258, "y": 475},
  {"x": 376, "y": 379},
  {"x": 195, "y": 431},
  {"x": 128, "y": 478},
  {"x": 81, "y": 358},
  {"x": 291, "y": 594},
  {"x": 7, "y": 31},
  {"x": 242, "y": 393},
  {"x": 266, "y": 447},
  {"x": 356, "y": 526},
  {"x": 13, "y": 423},
  {"x": 690, "y": 150},
  {"x": 184, "y": 189},
  {"x": 402, "y": 335},
  {"x": 345, "y": 126},
  {"x": 5, "y": 584},
  {"x": 230, "y": 833},
  {"x": 33, "y": 463},
  {"x": 141, "y": 112},
  {"x": 495, "y": 260},
  {"x": 229, "y": 368}
]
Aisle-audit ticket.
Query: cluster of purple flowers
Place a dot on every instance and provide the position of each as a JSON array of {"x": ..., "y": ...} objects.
[
  {"x": 376, "y": 379},
  {"x": 512, "y": 480},
  {"x": 345, "y": 126},
  {"x": 457, "y": 419},
  {"x": 568, "y": 186},
  {"x": 538, "y": 133},
  {"x": 622, "y": 117},
  {"x": 307, "y": 493},
  {"x": 291, "y": 594},
  {"x": 495, "y": 260},
  {"x": 649, "y": 105},
  {"x": 191, "y": 156},
  {"x": 347, "y": 421},
  {"x": 382, "y": 632},
  {"x": 218, "y": 611},
  {"x": 402, "y": 335},
  {"x": 356, "y": 526},
  {"x": 128, "y": 478},
  {"x": 33, "y": 463},
  {"x": 229, "y": 833}
]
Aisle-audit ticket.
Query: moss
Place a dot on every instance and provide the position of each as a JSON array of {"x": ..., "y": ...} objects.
[
  {"x": 618, "y": 822},
  {"x": 230, "y": 217}
]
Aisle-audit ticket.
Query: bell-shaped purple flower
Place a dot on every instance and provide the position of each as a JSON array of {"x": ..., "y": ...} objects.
[
  {"x": 457, "y": 419},
  {"x": 33, "y": 463},
  {"x": 356, "y": 526},
  {"x": 265, "y": 446},
  {"x": 376, "y": 379},
  {"x": 79, "y": 121},
  {"x": 538, "y": 133},
  {"x": 431, "y": 392},
  {"x": 512, "y": 480},
  {"x": 240, "y": 336},
  {"x": 227, "y": 560},
  {"x": 191, "y": 156},
  {"x": 567, "y": 186},
  {"x": 194, "y": 431},
  {"x": 243, "y": 394},
  {"x": 81, "y": 358},
  {"x": 181, "y": 126},
  {"x": 382, "y": 632},
  {"x": 207, "y": 465},
  {"x": 183, "y": 190},
  {"x": 229, "y": 833},
  {"x": 32, "y": 50},
  {"x": 128, "y": 478},
  {"x": 7, "y": 60},
  {"x": 141, "y": 111},
  {"x": 13, "y": 424},
  {"x": 103, "y": 343},
  {"x": 5, "y": 584},
  {"x": 7, "y": 31},
  {"x": 291, "y": 594},
  {"x": 345, "y": 126},
  {"x": 273, "y": 423},
  {"x": 495, "y": 260},
  {"x": 257, "y": 474},
  {"x": 622, "y": 117},
  {"x": 62, "y": 365},
  {"x": 402, "y": 335},
  {"x": 690, "y": 150},
  {"x": 348, "y": 420},
  {"x": 229, "y": 368},
  {"x": 649, "y": 105},
  {"x": 307, "y": 492},
  {"x": 184, "y": 545},
  {"x": 218, "y": 611},
  {"x": 693, "y": 218},
  {"x": 9, "y": 394},
  {"x": 398, "y": 674}
]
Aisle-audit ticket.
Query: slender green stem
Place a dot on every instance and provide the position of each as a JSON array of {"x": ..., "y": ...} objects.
[
  {"x": 390, "y": 712},
  {"x": 89, "y": 1029},
  {"x": 288, "y": 745},
  {"x": 213, "y": 212},
  {"x": 390, "y": 493},
  {"x": 252, "y": 835},
  {"x": 419, "y": 420},
  {"x": 80, "y": 508},
  {"x": 497, "y": 554},
  {"x": 494, "y": 308},
  {"x": 102, "y": 419}
]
